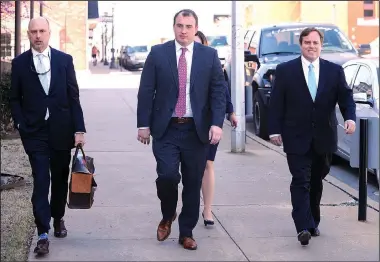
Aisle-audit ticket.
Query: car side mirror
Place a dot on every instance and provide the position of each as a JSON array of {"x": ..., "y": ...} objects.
[{"x": 364, "y": 49}]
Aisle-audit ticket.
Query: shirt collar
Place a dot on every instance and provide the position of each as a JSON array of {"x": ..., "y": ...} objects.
[
  {"x": 178, "y": 47},
  {"x": 307, "y": 63},
  {"x": 46, "y": 52}
]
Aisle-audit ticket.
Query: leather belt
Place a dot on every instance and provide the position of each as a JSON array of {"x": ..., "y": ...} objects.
[{"x": 182, "y": 120}]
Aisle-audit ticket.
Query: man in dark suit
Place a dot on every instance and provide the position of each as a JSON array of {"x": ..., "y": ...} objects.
[
  {"x": 48, "y": 115},
  {"x": 182, "y": 104},
  {"x": 302, "y": 116}
]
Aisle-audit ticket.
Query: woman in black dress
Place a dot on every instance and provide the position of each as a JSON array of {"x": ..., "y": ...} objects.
[{"x": 209, "y": 175}]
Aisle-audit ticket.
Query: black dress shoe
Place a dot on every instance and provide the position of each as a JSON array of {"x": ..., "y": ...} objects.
[
  {"x": 60, "y": 229},
  {"x": 304, "y": 237},
  {"x": 42, "y": 247},
  {"x": 315, "y": 232},
  {"x": 207, "y": 222}
]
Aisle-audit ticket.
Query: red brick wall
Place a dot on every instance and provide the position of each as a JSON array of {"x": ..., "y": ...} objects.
[
  {"x": 361, "y": 34},
  {"x": 68, "y": 21}
]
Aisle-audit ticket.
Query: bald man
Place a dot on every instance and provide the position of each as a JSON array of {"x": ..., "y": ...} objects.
[{"x": 47, "y": 113}]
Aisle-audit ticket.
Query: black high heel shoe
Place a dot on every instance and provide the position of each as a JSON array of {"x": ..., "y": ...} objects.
[{"x": 207, "y": 222}]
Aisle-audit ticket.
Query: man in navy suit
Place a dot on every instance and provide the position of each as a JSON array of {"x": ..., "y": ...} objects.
[
  {"x": 182, "y": 104},
  {"x": 48, "y": 115},
  {"x": 302, "y": 116}
]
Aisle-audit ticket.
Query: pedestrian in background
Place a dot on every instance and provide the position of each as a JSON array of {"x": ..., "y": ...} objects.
[{"x": 208, "y": 181}]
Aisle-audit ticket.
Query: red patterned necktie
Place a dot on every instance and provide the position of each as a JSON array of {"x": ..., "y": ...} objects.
[{"x": 180, "y": 108}]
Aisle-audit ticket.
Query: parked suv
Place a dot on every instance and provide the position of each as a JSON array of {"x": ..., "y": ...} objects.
[
  {"x": 133, "y": 57},
  {"x": 268, "y": 46}
]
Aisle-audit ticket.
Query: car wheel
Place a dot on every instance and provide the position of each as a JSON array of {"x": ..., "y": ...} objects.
[{"x": 260, "y": 117}]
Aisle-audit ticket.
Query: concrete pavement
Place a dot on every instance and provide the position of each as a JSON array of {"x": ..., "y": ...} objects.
[{"x": 252, "y": 207}]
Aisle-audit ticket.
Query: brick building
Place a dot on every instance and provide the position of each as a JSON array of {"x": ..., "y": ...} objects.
[
  {"x": 358, "y": 19},
  {"x": 70, "y": 24}
]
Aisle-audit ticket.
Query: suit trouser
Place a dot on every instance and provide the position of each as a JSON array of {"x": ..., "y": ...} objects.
[
  {"x": 308, "y": 171},
  {"x": 180, "y": 145},
  {"x": 46, "y": 164}
]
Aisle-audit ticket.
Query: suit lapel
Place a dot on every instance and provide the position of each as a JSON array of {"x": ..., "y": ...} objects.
[
  {"x": 194, "y": 65},
  {"x": 321, "y": 81},
  {"x": 173, "y": 61},
  {"x": 33, "y": 71},
  {"x": 303, "y": 77},
  {"x": 54, "y": 68}
]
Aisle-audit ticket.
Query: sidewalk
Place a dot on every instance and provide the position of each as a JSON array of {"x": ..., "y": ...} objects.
[{"x": 252, "y": 203}]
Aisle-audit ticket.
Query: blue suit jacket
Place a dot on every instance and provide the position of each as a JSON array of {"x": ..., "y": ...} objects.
[
  {"x": 158, "y": 92},
  {"x": 298, "y": 118},
  {"x": 29, "y": 101}
]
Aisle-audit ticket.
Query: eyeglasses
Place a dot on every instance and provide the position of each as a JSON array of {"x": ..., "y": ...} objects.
[{"x": 32, "y": 67}]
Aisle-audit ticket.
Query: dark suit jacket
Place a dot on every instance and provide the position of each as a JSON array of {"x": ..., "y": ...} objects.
[
  {"x": 29, "y": 101},
  {"x": 158, "y": 92},
  {"x": 299, "y": 120},
  {"x": 229, "y": 105}
]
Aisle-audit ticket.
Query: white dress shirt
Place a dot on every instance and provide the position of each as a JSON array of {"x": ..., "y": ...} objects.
[
  {"x": 305, "y": 68},
  {"x": 46, "y": 63},
  {"x": 189, "y": 60}
]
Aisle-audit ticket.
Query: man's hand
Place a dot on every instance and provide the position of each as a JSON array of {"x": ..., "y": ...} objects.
[
  {"x": 143, "y": 135},
  {"x": 276, "y": 140},
  {"x": 233, "y": 120},
  {"x": 349, "y": 127},
  {"x": 79, "y": 139},
  {"x": 215, "y": 134}
]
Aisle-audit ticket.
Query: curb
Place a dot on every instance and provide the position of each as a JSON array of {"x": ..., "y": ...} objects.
[{"x": 354, "y": 194}]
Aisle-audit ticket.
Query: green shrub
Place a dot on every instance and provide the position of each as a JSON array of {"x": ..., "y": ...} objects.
[{"x": 5, "y": 87}]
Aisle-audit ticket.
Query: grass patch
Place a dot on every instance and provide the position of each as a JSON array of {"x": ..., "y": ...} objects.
[{"x": 17, "y": 221}]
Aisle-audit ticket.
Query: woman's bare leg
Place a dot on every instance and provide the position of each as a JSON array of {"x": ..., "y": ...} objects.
[{"x": 208, "y": 183}]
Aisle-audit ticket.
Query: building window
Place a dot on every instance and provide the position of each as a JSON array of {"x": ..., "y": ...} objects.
[
  {"x": 368, "y": 8},
  {"x": 368, "y": 13}
]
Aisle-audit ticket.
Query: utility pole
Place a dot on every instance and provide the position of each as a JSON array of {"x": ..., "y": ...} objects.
[
  {"x": 41, "y": 8},
  {"x": 31, "y": 9},
  {"x": 237, "y": 77},
  {"x": 17, "y": 28}
]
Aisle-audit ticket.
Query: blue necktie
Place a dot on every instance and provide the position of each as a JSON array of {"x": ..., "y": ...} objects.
[{"x": 312, "y": 82}]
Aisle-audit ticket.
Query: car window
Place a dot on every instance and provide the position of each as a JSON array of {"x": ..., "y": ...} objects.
[
  {"x": 215, "y": 41},
  {"x": 275, "y": 41},
  {"x": 254, "y": 43},
  {"x": 363, "y": 81},
  {"x": 349, "y": 72},
  {"x": 247, "y": 38},
  {"x": 143, "y": 48}
]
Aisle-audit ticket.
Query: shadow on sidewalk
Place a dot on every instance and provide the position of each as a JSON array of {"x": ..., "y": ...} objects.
[{"x": 101, "y": 69}]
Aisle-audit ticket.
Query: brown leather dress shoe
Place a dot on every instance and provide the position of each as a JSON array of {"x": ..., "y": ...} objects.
[
  {"x": 165, "y": 228},
  {"x": 60, "y": 229},
  {"x": 42, "y": 247},
  {"x": 188, "y": 243}
]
